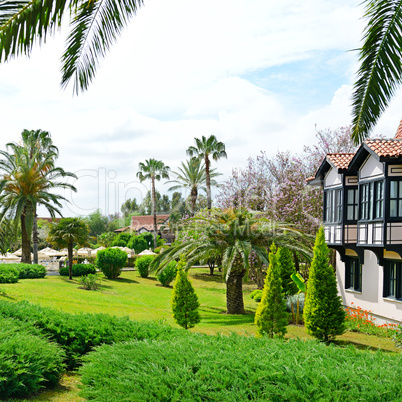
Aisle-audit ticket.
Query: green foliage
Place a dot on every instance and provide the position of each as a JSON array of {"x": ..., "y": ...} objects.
[
  {"x": 138, "y": 243},
  {"x": 287, "y": 268},
  {"x": 398, "y": 337},
  {"x": 8, "y": 274},
  {"x": 90, "y": 282},
  {"x": 30, "y": 270},
  {"x": 184, "y": 299},
  {"x": 106, "y": 239},
  {"x": 97, "y": 223},
  {"x": 256, "y": 295},
  {"x": 270, "y": 316},
  {"x": 80, "y": 333},
  {"x": 324, "y": 316},
  {"x": 299, "y": 281},
  {"x": 111, "y": 261},
  {"x": 28, "y": 361},
  {"x": 149, "y": 238},
  {"x": 159, "y": 248},
  {"x": 79, "y": 270},
  {"x": 238, "y": 368},
  {"x": 142, "y": 264},
  {"x": 167, "y": 275},
  {"x": 121, "y": 240}
]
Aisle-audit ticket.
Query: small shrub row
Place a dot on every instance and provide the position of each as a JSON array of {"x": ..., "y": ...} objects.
[
  {"x": 79, "y": 270},
  {"x": 28, "y": 361},
  {"x": 80, "y": 333},
  {"x": 239, "y": 368},
  {"x": 142, "y": 264},
  {"x": 31, "y": 271}
]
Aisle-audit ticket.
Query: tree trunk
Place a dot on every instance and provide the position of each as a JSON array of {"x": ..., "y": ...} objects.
[
  {"x": 70, "y": 260},
  {"x": 234, "y": 293},
  {"x": 211, "y": 264},
  {"x": 194, "y": 195},
  {"x": 208, "y": 183},
  {"x": 26, "y": 241},
  {"x": 154, "y": 208},
  {"x": 35, "y": 238}
]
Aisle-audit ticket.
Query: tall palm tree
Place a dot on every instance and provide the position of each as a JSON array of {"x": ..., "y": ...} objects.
[
  {"x": 153, "y": 170},
  {"x": 380, "y": 71},
  {"x": 204, "y": 149},
  {"x": 26, "y": 183},
  {"x": 192, "y": 176},
  {"x": 38, "y": 144},
  {"x": 67, "y": 232},
  {"x": 94, "y": 27},
  {"x": 232, "y": 234}
]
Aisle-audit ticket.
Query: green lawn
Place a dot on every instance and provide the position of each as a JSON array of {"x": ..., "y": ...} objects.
[{"x": 145, "y": 299}]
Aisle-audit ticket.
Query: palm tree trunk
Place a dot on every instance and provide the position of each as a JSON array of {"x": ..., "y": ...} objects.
[
  {"x": 194, "y": 195},
  {"x": 26, "y": 241},
  {"x": 208, "y": 183},
  {"x": 154, "y": 208},
  {"x": 70, "y": 260},
  {"x": 35, "y": 238},
  {"x": 234, "y": 293}
]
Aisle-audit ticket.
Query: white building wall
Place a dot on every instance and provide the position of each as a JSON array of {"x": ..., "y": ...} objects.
[
  {"x": 372, "y": 287},
  {"x": 371, "y": 168},
  {"x": 332, "y": 179}
]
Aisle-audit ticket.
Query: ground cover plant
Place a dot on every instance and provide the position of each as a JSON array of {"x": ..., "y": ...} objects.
[
  {"x": 78, "y": 270},
  {"x": 90, "y": 282},
  {"x": 242, "y": 368},
  {"x": 28, "y": 361}
]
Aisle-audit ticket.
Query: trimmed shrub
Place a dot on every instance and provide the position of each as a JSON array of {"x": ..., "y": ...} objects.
[
  {"x": 28, "y": 361},
  {"x": 121, "y": 240},
  {"x": 286, "y": 269},
  {"x": 30, "y": 271},
  {"x": 142, "y": 264},
  {"x": 111, "y": 261},
  {"x": 138, "y": 243},
  {"x": 256, "y": 295},
  {"x": 80, "y": 333},
  {"x": 90, "y": 282},
  {"x": 239, "y": 368},
  {"x": 8, "y": 274},
  {"x": 168, "y": 274},
  {"x": 79, "y": 270}
]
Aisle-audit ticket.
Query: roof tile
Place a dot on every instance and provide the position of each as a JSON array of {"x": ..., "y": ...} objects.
[
  {"x": 340, "y": 160},
  {"x": 386, "y": 148}
]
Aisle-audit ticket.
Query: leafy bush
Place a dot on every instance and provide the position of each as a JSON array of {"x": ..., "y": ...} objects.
[
  {"x": 111, "y": 261},
  {"x": 239, "y": 368},
  {"x": 158, "y": 249},
  {"x": 142, "y": 264},
  {"x": 90, "y": 282},
  {"x": 256, "y": 295},
  {"x": 28, "y": 361},
  {"x": 8, "y": 274},
  {"x": 80, "y": 333},
  {"x": 168, "y": 274},
  {"x": 121, "y": 240},
  {"x": 79, "y": 270},
  {"x": 31, "y": 271},
  {"x": 138, "y": 243}
]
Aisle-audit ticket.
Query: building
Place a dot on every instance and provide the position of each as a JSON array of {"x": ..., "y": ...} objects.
[{"x": 363, "y": 223}]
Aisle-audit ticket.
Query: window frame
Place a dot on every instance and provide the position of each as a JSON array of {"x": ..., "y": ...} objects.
[
  {"x": 353, "y": 274},
  {"x": 397, "y": 199},
  {"x": 392, "y": 280},
  {"x": 354, "y": 205},
  {"x": 333, "y": 205},
  {"x": 371, "y": 202}
]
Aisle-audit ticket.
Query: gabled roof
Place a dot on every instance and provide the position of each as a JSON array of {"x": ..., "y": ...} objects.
[
  {"x": 386, "y": 148},
  {"x": 147, "y": 222},
  {"x": 340, "y": 160}
]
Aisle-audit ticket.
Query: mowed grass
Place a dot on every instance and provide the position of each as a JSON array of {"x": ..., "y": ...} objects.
[{"x": 145, "y": 299}]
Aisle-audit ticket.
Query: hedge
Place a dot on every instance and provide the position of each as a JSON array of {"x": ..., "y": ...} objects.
[{"x": 78, "y": 270}]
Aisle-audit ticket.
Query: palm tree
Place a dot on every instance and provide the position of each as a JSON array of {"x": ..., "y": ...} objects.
[
  {"x": 153, "y": 170},
  {"x": 38, "y": 144},
  {"x": 206, "y": 147},
  {"x": 380, "y": 71},
  {"x": 192, "y": 176},
  {"x": 27, "y": 182},
  {"x": 94, "y": 26},
  {"x": 232, "y": 234},
  {"x": 67, "y": 232}
]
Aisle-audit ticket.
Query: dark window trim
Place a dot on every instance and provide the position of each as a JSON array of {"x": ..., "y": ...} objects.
[
  {"x": 353, "y": 274},
  {"x": 392, "y": 283}
]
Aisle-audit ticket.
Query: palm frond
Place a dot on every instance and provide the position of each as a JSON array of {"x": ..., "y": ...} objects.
[{"x": 380, "y": 72}]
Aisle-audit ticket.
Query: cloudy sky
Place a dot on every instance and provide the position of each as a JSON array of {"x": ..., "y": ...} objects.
[{"x": 260, "y": 75}]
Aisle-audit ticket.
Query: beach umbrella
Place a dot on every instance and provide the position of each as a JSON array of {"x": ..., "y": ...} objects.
[{"x": 147, "y": 252}]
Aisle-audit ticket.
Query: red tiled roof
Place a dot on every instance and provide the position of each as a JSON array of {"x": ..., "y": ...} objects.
[
  {"x": 398, "y": 135},
  {"x": 386, "y": 148},
  {"x": 341, "y": 160},
  {"x": 147, "y": 222}
]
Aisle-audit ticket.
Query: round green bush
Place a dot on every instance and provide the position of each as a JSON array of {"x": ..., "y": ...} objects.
[
  {"x": 31, "y": 271},
  {"x": 8, "y": 274},
  {"x": 168, "y": 274},
  {"x": 111, "y": 261},
  {"x": 256, "y": 295},
  {"x": 79, "y": 270},
  {"x": 28, "y": 361},
  {"x": 142, "y": 264}
]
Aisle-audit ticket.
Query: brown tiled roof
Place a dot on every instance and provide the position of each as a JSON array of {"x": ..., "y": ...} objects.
[
  {"x": 398, "y": 135},
  {"x": 340, "y": 160},
  {"x": 147, "y": 222},
  {"x": 386, "y": 148}
]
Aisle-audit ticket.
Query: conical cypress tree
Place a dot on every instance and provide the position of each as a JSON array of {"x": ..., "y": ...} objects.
[
  {"x": 184, "y": 299},
  {"x": 324, "y": 316},
  {"x": 287, "y": 268},
  {"x": 271, "y": 316}
]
